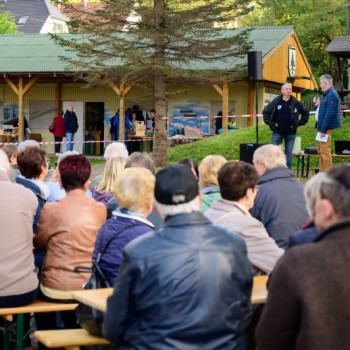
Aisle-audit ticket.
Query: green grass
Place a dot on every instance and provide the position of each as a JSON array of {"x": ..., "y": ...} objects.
[{"x": 228, "y": 144}]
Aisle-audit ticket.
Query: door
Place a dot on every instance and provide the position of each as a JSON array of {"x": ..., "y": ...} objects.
[{"x": 79, "y": 109}]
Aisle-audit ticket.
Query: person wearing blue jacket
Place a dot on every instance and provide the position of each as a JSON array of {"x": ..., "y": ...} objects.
[
  {"x": 328, "y": 119},
  {"x": 127, "y": 124},
  {"x": 134, "y": 194}
]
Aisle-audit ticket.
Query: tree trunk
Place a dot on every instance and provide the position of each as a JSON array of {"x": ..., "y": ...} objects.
[{"x": 160, "y": 133}]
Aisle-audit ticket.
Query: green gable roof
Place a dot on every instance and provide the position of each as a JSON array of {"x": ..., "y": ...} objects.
[{"x": 38, "y": 53}]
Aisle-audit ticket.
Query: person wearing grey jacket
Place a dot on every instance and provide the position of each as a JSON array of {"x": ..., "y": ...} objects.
[
  {"x": 19, "y": 282},
  {"x": 280, "y": 202},
  {"x": 237, "y": 182}
]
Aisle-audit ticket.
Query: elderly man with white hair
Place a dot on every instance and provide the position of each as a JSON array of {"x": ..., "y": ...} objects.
[
  {"x": 184, "y": 286},
  {"x": 280, "y": 202},
  {"x": 19, "y": 282}
]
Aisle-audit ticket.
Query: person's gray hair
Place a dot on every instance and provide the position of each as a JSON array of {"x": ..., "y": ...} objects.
[
  {"x": 336, "y": 188},
  {"x": 327, "y": 78},
  {"x": 141, "y": 160},
  {"x": 115, "y": 149},
  {"x": 311, "y": 190},
  {"x": 27, "y": 143},
  {"x": 4, "y": 162},
  {"x": 185, "y": 208},
  {"x": 271, "y": 156},
  {"x": 67, "y": 154}
]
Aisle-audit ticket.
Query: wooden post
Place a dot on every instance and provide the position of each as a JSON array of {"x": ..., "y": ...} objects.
[
  {"x": 57, "y": 97},
  {"x": 224, "y": 93},
  {"x": 20, "y": 91},
  {"x": 225, "y": 107},
  {"x": 122, "y": 91}
]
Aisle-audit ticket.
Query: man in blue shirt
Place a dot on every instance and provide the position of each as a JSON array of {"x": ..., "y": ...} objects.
[{"x": 328, "y": 119}]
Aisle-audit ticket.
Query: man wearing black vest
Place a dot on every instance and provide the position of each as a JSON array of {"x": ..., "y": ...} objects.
[{"x": 282, "y": 116}]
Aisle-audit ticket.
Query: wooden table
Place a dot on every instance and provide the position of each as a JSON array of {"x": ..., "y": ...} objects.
[
  {"x": 259, "y": 293},
  {"x": 146, "y": 142},
  {"x": 97, "y": 298},
  {"x": 7, "y": 138}
]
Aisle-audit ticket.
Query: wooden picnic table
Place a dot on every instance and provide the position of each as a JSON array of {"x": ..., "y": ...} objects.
[{"x": 97, "y": 298}]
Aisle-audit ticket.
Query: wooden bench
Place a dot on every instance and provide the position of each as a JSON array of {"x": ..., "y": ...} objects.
[
  {"x": 70, "y": 339},
  {"x": 301, "y": 159},
  {"x": 37, "y": 306}
]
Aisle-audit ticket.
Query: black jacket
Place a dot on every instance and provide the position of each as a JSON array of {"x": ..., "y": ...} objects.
[
  {"x": 297, "y": 108},
  {"x": 185, "y": 286},
  {"x": 71, "y": 122}
]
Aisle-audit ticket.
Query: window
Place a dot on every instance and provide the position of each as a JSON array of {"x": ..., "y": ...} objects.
[{"x": 22, "y": 20}]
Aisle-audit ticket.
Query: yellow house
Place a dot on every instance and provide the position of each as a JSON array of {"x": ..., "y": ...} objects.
[{"x": 36, "y": 83}]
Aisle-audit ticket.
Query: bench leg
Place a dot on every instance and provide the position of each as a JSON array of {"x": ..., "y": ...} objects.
[
  {"x": 7, "y": 335},
  {"x": 19, "y": 332},
  {"x": 302, "y": 165}
]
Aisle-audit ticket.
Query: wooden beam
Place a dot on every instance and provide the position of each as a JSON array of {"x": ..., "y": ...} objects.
[
  {"x": 20, "y": 110},
  {"x": 20, "y": 91},
  {"x": 218, "y": 89},
  {"x": 114, "y": 87},
  {"x": 29, "y": 85},
  {"x": 12, "y": 85},
  {"x": 121, "y": 91},
  {"x": 225, "y": 103}
]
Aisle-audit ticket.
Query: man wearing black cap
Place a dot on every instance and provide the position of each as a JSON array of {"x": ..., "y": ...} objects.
[{"x": 185, "y": 286}]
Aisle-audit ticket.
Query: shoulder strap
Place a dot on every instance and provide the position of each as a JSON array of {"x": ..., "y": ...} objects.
[{"x": 103, "y": 250}]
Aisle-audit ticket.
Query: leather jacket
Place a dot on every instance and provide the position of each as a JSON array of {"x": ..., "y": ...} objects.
[
  {"x": 185, "y": 286},
  {"x": 67, "y": 231}
]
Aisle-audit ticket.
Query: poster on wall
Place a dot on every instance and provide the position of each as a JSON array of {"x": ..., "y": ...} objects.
[
  {"x": 41, "y": 114},
  {"x": 190, "y": 114},
  {"x": 9, "y": 115},
  {"x": 1, "y": 112}
]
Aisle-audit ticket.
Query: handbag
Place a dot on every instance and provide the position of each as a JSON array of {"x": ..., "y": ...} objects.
[
  {"x": 52, "y": 127},
  {"x": 131, "y": 130},
  {"x": 91, "y": 319}
]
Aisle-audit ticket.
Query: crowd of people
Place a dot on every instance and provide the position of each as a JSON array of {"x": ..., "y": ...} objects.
[{"x": 181, "y": 246}]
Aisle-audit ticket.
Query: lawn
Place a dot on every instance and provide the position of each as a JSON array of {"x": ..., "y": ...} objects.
[{"x": 228, "y": 144}]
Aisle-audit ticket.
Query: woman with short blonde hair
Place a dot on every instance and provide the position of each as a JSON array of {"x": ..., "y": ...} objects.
[{"x": 133, "y": 191}]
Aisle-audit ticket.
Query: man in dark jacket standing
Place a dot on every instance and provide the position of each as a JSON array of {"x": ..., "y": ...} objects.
[
  {"x": 185, "y": 286},
  {"x": 71, "y": 126},
  {"x": 282, "y": 116},
  {"x": 308, "y": 305},
  {"x": 328, "y": 119},
  {"x": 280, "y": 202}
]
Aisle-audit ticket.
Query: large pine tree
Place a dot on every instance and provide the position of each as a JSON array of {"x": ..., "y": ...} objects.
[{"x": 158, "y": 42}]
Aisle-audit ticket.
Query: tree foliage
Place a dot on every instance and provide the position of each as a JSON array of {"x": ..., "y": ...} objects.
[
  {"x": 7, "y": 23},
  {"x": 157, "y": 42},
  {"x": 317, "y": 22}
]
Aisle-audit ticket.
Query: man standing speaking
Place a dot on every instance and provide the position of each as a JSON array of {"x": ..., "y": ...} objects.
[
  {"x": 282, "y": 116},
  {"x": 328, "y": 119}
]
